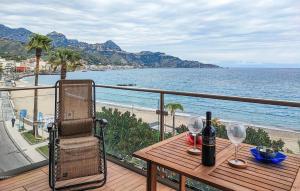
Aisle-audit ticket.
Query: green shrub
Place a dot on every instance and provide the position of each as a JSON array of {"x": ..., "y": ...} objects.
[
  {"x": 277, "y": 145},
  {"x": 168, "y": 135},
  {"x": 257, "y": 137},
  {"x": 126, "y": 134},
  {"x": 181, "y": 129},
  {"x": 254, "y": 137},
  {"x": 220, "y": 129}
]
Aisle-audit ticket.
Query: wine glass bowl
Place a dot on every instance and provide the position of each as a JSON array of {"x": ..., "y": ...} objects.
[
  {"x": 236, "y": 134},
  {"x": 195, "y": 126}
]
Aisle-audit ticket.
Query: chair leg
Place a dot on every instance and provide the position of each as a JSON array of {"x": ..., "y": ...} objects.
[
  {"x": 104, "y": 155},
  {"x": 50, "y": 165},
  {"x": 53, "y": 175}
]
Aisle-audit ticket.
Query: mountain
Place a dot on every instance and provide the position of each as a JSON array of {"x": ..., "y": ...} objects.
[
  {"x": 19, "y": 34},
  {"x": 104, "y": 53},
  {"x": 60, "y": 40}
]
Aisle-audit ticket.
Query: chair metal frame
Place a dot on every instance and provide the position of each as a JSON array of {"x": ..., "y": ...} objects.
[{"x": 54, "y": 145}]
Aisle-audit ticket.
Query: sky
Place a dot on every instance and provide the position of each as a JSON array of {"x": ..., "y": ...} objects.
[{"x": 245, "y": 33}]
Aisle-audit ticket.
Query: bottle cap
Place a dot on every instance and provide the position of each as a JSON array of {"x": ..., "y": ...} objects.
[{"x": 208, "y": 115}]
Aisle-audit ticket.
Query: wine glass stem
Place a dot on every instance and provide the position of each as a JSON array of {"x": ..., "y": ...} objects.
[{"x": 195, "y": 141}]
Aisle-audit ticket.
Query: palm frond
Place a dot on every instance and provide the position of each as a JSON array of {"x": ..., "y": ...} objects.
[
  {"x": 62, "y": 56},
  {"x": 38, "y": 41},
  {"x": 172, "y": 107}
]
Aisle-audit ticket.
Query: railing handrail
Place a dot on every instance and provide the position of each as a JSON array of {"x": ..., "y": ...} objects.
[
  {"x": 180, "y": 93},
  {"x": 26, "y": 88}
]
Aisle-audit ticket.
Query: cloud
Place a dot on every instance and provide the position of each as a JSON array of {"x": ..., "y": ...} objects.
[{"x": 212, "y": 31}]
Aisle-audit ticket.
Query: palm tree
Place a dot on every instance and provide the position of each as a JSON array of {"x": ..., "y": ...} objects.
[
  {"x": 38, "y": 43},
  {"x": 67, "y": 59},
  {"x": 1, "y": 71},
  {"x": 172, "y": 107}
]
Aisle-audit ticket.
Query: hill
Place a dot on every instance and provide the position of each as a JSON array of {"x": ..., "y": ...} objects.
[
  {"x": 104, "y": 53},
  {"x": 13, "y": 50}
]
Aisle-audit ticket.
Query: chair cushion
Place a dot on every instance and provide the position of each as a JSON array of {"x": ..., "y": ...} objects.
[
  {"x": 79, "y": 142},
  {"x": 78, "y": 157},
  {"x": 76, "y": 127}
]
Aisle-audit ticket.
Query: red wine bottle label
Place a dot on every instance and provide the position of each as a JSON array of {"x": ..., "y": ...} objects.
[{"x": 209, "y": 141}]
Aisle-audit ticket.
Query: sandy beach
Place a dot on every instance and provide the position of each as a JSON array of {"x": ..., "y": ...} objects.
[{"x": 24, "y": 100}]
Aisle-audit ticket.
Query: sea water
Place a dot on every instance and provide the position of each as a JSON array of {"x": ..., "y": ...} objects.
[{"x": 278, "y": 84}]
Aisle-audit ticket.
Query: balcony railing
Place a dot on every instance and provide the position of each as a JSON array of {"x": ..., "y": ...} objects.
[{"x": 145, "y": 107}]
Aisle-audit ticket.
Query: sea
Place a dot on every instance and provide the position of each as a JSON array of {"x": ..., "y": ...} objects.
[{"x": 267, "y": 83}]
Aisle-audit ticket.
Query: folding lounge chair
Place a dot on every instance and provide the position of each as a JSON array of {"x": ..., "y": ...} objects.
[{"x": 76, "y": 143}]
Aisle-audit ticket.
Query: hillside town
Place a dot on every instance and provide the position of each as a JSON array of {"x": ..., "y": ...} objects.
[
  {"x": 24, "y": 66},
  {"x": 13, "y": 70}
]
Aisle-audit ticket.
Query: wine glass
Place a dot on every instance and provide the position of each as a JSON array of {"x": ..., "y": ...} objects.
[
  {"x": 195, "y": 125},
  {"x": 236, "y": 134}
]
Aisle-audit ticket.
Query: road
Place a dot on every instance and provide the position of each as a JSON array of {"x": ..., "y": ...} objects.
[{"x": 10, "y": 157}]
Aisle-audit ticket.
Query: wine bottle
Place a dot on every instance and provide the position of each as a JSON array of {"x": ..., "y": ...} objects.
[{"x": 208, "y": 143}]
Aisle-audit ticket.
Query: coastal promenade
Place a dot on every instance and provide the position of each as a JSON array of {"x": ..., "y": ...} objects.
[{"x": 11, "y": 155}]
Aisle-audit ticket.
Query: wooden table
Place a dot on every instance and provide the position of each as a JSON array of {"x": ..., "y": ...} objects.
[{"x": 171, "y": 154}]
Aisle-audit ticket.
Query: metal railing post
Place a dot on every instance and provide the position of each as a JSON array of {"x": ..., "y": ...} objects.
[{"x": 162, "y": 116}]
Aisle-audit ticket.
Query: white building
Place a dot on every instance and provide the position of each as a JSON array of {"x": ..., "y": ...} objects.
[
  {"x": 7, "y": 64},
  {"x": 30, "y": 63}
]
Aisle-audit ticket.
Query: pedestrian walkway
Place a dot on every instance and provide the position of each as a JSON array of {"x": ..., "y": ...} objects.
[
  {"x": 11, "y": 156},
  {"x": 28, "y": 149}
]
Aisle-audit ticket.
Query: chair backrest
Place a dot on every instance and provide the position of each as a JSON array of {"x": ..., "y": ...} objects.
[{"x": 75, "y": 107}]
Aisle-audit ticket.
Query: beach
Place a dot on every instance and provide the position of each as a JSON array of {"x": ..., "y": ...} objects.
[{"x": 23, "y": 99}]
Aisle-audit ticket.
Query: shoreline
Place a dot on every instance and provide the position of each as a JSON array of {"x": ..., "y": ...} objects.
[
  {"x": 32, "y": 74},
  {"x": 24, "y": 99},
  {"x": 101, "y": 69}
]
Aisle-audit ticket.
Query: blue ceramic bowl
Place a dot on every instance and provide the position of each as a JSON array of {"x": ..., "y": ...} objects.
[{"x": 278, "y": 158}]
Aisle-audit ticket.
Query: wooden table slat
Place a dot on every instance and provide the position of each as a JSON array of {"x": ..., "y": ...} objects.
[
  {"x": 266, "y": 167},
  {"x": 255, "y": 178},
  {"x": 296, "y": 184},
  {"x": 177, "y": 162},
  {"x": 174, "y": 151},
  {"x": 284, "y": 167},
  {"x": 247, "y": 186},
  {"x": 264, "y": 174}
]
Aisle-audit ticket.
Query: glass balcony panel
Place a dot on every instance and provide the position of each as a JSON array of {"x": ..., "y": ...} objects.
[
  {"x": 133, "y": 123},
  {"x": 21, "y": 146}
]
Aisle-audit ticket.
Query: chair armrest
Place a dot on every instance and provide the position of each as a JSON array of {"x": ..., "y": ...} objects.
[
  {"x": 51, "y": 127},
  {"x": 52, "y": 133},
  {"x": 102, "y": 122}
]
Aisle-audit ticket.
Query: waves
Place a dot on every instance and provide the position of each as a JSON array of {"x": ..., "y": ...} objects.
[{"x": 278, "y": 84}]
